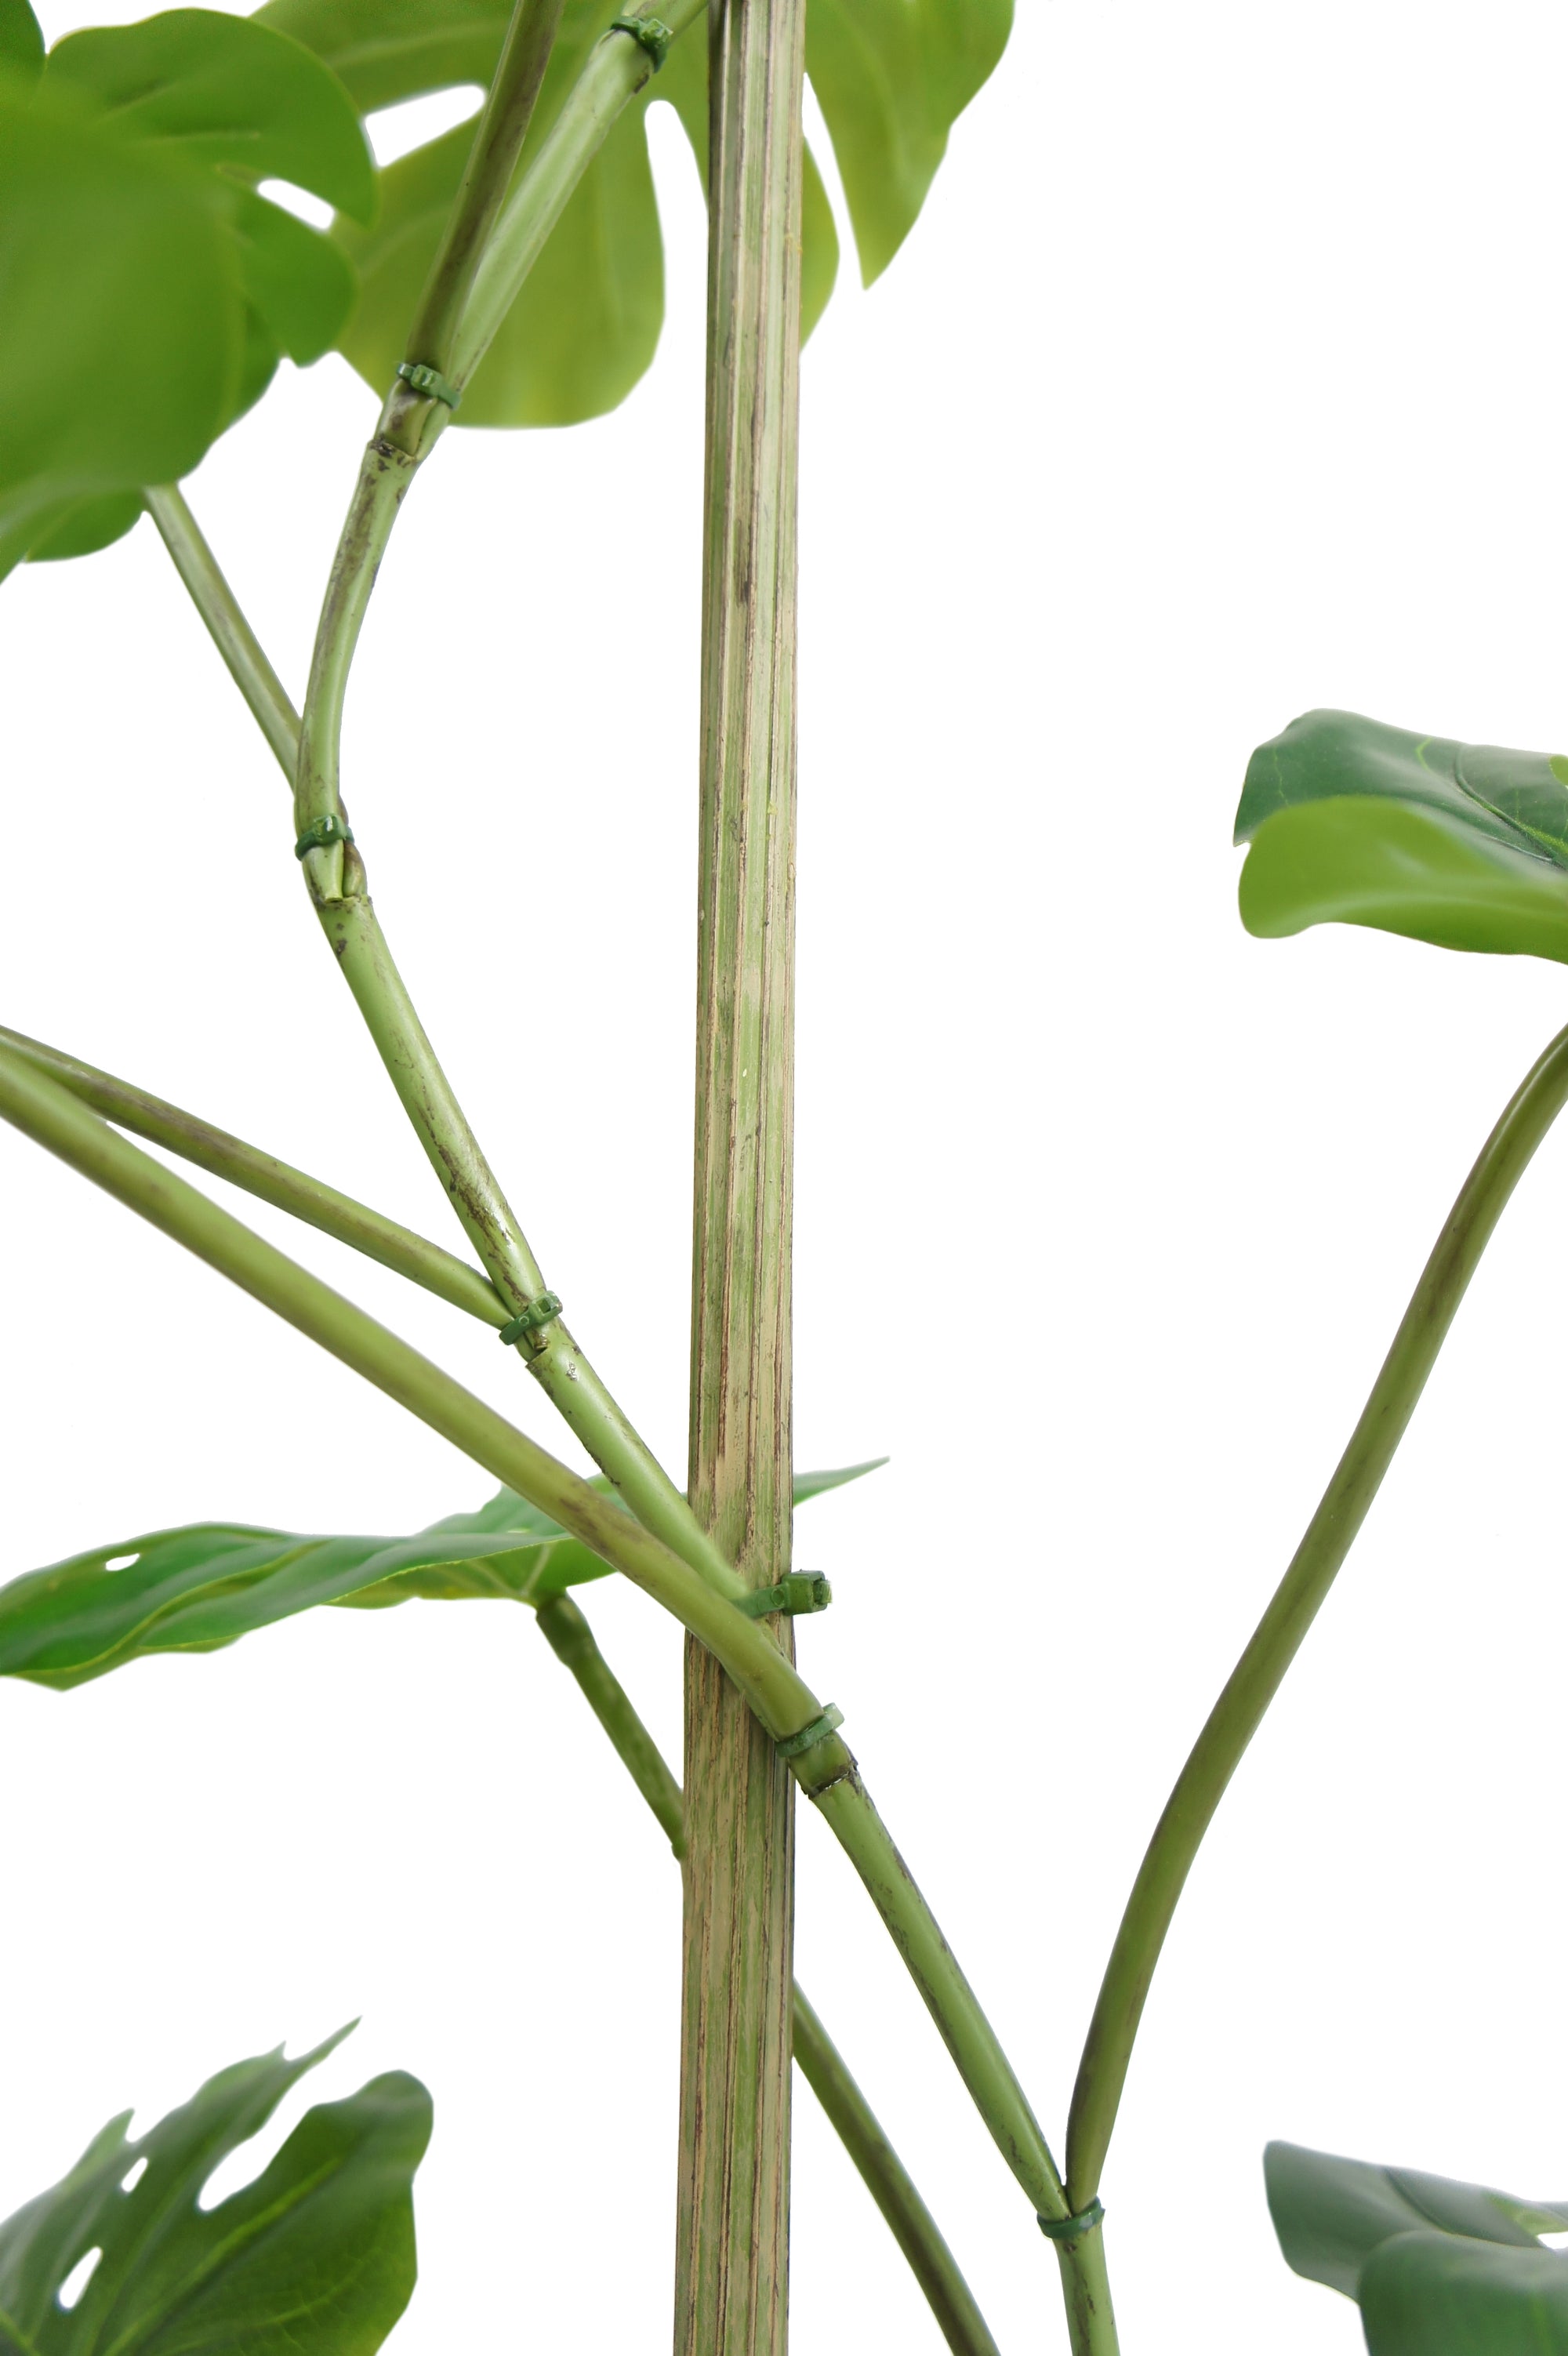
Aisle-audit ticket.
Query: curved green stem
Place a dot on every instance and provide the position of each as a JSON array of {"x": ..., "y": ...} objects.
[
  {"x": 366, "y": 960},
  {"x": 886, "y": 2178},
  {"x": 231, "y": 633},
  {"x": 1257, "y": 1675},
  {"x": 824, "y": 1768},
  {"x": 498, "y": 143},
  {"x": 271, "y": 1181}
]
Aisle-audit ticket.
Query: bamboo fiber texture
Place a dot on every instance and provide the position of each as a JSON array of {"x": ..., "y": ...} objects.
[{"x": 732, "y": 2256}]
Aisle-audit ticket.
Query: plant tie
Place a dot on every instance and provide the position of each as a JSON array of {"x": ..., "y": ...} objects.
[
  {"x": 794, "y": 1746},
  {"x": 650, "y": 32},
  {"x": 321, "y": 832},
  {"x": 798, "y": 1591},
  {"x": 429, "y": 382},
  {"x": 1069, "y": 2229},
  {"x": 538, "y": 1312}
]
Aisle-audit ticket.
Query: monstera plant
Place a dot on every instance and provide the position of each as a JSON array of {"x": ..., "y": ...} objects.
[{"x": 154, "y": 272}]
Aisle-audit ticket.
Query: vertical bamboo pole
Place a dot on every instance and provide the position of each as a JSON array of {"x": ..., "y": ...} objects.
[{"x": 732, "y": 2258}]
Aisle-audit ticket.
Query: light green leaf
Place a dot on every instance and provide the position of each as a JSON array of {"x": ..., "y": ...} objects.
[
  {"x": 891, "y": 77},
  {"x": 315, "y": 2258},
  {"x": 223, "y": 91},
  {"x": 123, "y": 292},
  {"x": 1352, "y": 822},
  {"x": 196, "y": 1589},
  {"x": 1439, "y": 2268},
  {"x": 21, "y": 39},
  {"x": 300, "y": 284}
]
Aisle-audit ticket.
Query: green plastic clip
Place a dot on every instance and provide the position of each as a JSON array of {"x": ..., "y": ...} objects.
[
  {"x": 794, "y": 1746},
  {"x": 797, "y": 1592},
  {"x": 650, "y": 32},
  {"x": 526, "y": 1320},
  {"x": 1072, "y": 2229},
  {"x": 321, "y": 832},
  {"x": 429, "y": 382}
]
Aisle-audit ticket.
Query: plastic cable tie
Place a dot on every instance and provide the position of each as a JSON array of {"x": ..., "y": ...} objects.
[
  {"x": 429, "y": 382},
  {"x": 650, "y": 32},
  {"x": 526, "y": 1320},
  {"x": 322, "y": 831},
  {"x": 794, "y": 1746},
  {"x": 1070, "y": 2228},
  {"x": 797, "y": 1592}
]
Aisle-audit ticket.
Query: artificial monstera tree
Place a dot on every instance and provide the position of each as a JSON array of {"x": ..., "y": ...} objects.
[{"x": 511, "y": 270}]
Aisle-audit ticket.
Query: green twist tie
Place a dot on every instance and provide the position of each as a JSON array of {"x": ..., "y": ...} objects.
[
  {"x": 798, "y": 1591},
  {"x": 794, "y": 1746},
  {"x": 650, "y": 32},
  {"x": 1070, "y": 2228},
  {"x": 429, "y": 382},
  {"x": 538, "y": 1312},
  {"x": 322, "y": 831}
]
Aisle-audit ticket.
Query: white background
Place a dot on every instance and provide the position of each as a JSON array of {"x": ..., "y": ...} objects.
[{"x": 1224, "y": 377}]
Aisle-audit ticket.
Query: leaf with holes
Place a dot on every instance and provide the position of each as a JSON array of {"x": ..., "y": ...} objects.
[
  {"x": 892, "y": 76},
  {"x": 1438, "y": 2268},
  {"x": 1351, "y": 822},
  {"x": 196, "y": 1589},
  {"x": 223, "y": 103},
  {"x": 315, "y": 2258}
]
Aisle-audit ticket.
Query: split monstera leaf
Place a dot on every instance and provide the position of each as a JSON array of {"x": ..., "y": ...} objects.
[
  {"x": 315, "y": 2258},
  {"x": 1438, "y": 2268},
  {"x": 150, "y": 290},
  {"x": 195, "y": 1590},
  {"x": 1350, "y": 822},
  {"x": 891, "y": 76}
]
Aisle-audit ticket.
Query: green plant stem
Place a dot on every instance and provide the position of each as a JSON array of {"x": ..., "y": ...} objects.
[
  {"x": 271, "y": 1181},
  {"x": 230, "y": 632},
  {"x": 616, "y": 69},
  {"x": 366, "y": 960},
  {"x": 883, "y": 2173},
  {"x": 566, "y": 1630},
  {"x": 1257, "y": 1675},
  {"x": 1086, "y": 2294},
  {"x": 826, "y": 1772},
  {"x": 562, "y": 1624},
  {"x": 498, "y": 143}
]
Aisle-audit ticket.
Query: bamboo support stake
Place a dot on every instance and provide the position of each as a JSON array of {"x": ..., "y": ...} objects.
[{"x": 733, "y": 2225}]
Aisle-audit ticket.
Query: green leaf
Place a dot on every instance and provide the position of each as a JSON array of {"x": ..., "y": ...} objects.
[
  {"x": 223, "y": 91},
  {"x": 1352, "y": 822},
  {"x": 315, "y": 2258},
  {"x": 1439, "y": 2268},
  {"x": 124, "y": 318},
  {"x": 891, "y": 77},
  {"x": 300, "y": 284},
  {"x": 196, "y": 1589},
  {"x": 88, "y": 526},
  {"x": 21, "y": 39}
]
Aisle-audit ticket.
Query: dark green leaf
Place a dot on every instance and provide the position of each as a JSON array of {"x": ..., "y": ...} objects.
[
  {"x": 21, "y": 39},
  {"x": 1440, "y": 2268},
  {"x": 315, "y": 2258},
  {"x": 1352, "y": 822},
  {"x": 196, "y": 1589},
  {"x": 384, "y": 51},
  {"x": 892, "y": 78},
  {"x": 124, "y": 318},
  {"x": 224, "y": 91}
]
